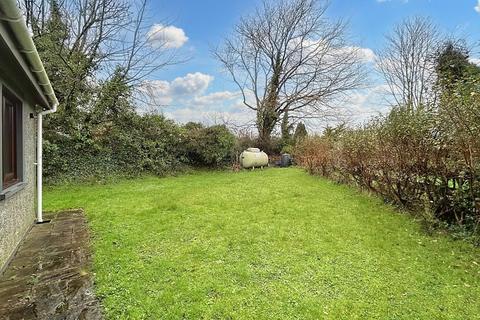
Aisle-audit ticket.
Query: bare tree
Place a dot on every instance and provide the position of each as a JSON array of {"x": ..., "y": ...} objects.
[
  {"x": 141, "y": 49},
  {"x": 407, "y": 63},
  {"x": 288, "y": 56},
  {"x": 114, "y": 36},
  {"x": 92, "y": 26},
  {"x": 111, "y": 33}
]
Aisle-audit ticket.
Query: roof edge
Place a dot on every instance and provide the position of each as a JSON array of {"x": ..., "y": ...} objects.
[{"x": 27, "y": 48}]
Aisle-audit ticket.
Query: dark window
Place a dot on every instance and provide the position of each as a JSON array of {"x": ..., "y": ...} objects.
[{"x": 11, "y": 123}]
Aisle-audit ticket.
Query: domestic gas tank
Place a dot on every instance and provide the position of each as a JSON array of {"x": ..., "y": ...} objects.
[{"x": 253, "y": 158}]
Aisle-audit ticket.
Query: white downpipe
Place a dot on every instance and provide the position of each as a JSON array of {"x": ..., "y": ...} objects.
[{"x": 40, "y": 162}]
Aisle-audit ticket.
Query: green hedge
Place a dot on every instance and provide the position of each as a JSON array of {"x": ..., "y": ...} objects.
[
  {"x": 140, "y": 144},
  {"x": 427, "y": 159}
]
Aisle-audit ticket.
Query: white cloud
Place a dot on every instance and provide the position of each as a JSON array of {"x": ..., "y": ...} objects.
[
  {"x": 187, "y": 99},
  {"x": 367, "y": 54},
  {"x": 164, "y": 92},
  {"x": 475, "y": 61},
  {"x": 211, "y": 116},
  {"x": 184, "y": 99},
  {"x": 157, "y": 90},
  {"x": 355, "y": 109},
  {"x": 477, "y": 7},
  {"x": 223, "y": 107},
  {"x": 364, "y": 54},
  {"x": 364, "y": 104},
  {"x": 216, "y": 97},
  {"x": 166, "y": 36},
  {"x": 192, "y": 84}
]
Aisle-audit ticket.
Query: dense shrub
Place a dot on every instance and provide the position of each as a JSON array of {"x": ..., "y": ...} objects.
[
  {"x": 209, "y": 146},
  {"x": 247, "y": 140},
  {"x": 244, "y": 141},
  {"x": 426, "y": 159},
  {"x": 136, "y": 145},
  {"x": 133, "y": 146},
  {"x": 315, "y": 154}
]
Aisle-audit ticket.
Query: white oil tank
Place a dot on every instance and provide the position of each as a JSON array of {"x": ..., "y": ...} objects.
[{"x": 253, "y": 158}]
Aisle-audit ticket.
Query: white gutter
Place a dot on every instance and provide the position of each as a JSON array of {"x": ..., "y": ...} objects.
[{"x": 12, "y": 15}]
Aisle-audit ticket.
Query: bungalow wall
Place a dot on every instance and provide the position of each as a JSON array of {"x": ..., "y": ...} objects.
[{"x": 17, "y": 209}]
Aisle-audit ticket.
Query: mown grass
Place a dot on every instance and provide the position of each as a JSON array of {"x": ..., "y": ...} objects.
[{"x": 272, "y": 244}]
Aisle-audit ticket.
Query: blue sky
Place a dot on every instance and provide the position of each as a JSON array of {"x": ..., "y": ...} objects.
[{"x": 197, "y": 90}]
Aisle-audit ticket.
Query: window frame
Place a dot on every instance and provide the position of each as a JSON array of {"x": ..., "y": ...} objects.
[{"x": 10, "y": 96}]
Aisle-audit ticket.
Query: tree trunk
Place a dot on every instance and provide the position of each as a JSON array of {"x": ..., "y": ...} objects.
[
  {"x": 267, "y": 114},
  {"x": 266, "y": 121}
]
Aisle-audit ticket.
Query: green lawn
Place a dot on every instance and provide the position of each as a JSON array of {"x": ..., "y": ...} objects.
[{"x": 272, "y": 244}]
